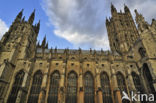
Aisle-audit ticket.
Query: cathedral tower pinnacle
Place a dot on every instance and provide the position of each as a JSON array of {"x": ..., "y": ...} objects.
[{"x": 31, "y": 18}]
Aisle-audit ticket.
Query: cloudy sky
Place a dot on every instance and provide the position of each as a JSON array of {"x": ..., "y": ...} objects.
[{"x": 72, "y": 23}]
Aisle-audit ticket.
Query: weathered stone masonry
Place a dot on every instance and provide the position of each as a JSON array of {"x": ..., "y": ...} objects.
[{"x": 32, "y": 73}]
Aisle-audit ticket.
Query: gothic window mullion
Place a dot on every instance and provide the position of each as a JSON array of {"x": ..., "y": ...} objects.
[
  {"x": 106, "y": 90},
  {"x": 71, "y": 88},
  {"x": 53, "y": 89},
  {"x": 16, "y": 87},
  {"x": 122, "y": 85},
  {"x": 35, "y": 88},
  {"x": 88, "y": 88}
]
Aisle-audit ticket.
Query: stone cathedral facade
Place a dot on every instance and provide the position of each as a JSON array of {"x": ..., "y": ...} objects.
[{"x": 32, "y": 73}]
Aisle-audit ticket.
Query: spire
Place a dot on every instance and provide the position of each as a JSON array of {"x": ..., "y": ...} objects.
[
  {"x": 107, "y": 21},
  {"x": 43, "y": 42},
  {"x": 140, "y": 20},
  {"x": 90, "y": 50},
  {"x": 55, "y": 49},
  {"x": 31, "y": 18},
  {"x": 19, "y": 16},
  {"x": 51, "y": 50},
  {"x": 113, "y": 9},
  {"x": 126, "y": 8},
  {"x": 138, "y": 17},
  {"x": 46, "y": 45},
  {"x": 38, "y": 27},
  {"x": 38, "y": 44},
  {"x": 79, "y": 50},
  {"x": 23, "y": 19},
  {"x": 102, "y": 51}
]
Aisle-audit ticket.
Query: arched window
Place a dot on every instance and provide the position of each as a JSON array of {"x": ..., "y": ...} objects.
[
  {"x": 54, "y": 86},
  {"x": 88, "y": 88},
  {"x": 106, "y": 90},
  {"x": 16, "y": 87},
  {"x": 122, "y": 85},
  {"x": 35, "y": 88},
  {"x": 142, "y": 52},
  {"x": 148, "y": 78},
  {"x": 72, "y": 88},
  {"x": 137, "y": 83}
]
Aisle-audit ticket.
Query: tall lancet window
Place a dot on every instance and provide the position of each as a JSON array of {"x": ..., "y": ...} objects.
[
  {"x": 35, "y": 88},
  {"x": 88, "y": 88},
  {"x": 148, "y": 79},
  {"x": 72, "y": 88},
  {"x": 16, "y": 87},
  {"x": 54, "y": 86},
  {"x": 142, "y": 52},
  {"x": 122, "y": 85},
  {"x": 137, "y": 83},
  {"x": 106, "y": 89}
]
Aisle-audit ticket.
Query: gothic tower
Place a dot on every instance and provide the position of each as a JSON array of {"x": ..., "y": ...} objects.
[
  {"x": 31, "y": 73},
  {"x": 17, "y": 45},
  {"x": 121, "y": 29}
]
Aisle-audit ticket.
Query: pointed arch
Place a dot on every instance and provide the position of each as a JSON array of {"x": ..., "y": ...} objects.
[
  {"x": 122, "y": 85},
  {"x": 53, "y": 88},
  {"x": 36, "y": 87},
  {"x": 106, "y": 89},
  {"x": 142, "y": 52},
  {"x": 88, "y": 88},
  {"x": 16, "y": 86},
  {"x": 71, "y": 96},
  {"x": 137, "y": 82},
  {"x": 148, "y": 78}
]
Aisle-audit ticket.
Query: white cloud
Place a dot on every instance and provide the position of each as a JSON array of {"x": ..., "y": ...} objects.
[
  {"x": 146, "y": 7},
  {"x": 3, "y": 28},
  {"x": 82, "y": 22}
]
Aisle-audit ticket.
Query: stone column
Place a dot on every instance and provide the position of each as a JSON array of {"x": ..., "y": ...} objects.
[
  {"x": 81, "y": 90},
  {"x": 100, "y": 97},
  {"x": 80, "y": 85},
  {"x": 117, "y": 96},
  {"x": 116, "y": 91},
  {"x": 43, "y": 89},
  {"x": 99, "y": 91},
  {"x": 130, "y": 82},
  {"x": 61, "y": 93}
]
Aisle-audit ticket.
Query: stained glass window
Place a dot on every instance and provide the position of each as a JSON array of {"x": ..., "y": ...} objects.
[
  {"x": 53, "y": 89},
  {"x": 35, "y": 88},
  {"x": 106, "y": 90},
  {"x": 122, "y": 85},
  {"x": 88, "y": 88},
  {"x": 72, "y": 88},
  {"x": 148, "y": 78},
  {"x": 16, "y": 87}
]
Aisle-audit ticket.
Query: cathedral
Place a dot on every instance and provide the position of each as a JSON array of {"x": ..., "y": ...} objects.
[{"x": 31, "y": 72}]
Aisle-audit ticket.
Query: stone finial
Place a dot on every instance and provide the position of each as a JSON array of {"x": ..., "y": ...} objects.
[
  {"x": 31, "y": 18},
  {"x": 55, "y": 49},
  {"x": 79, "y": 50},
  {"x": 113, "y": 9},
  {"x": 46, "y": 46},
  {"x": 126, "y": 8},
  {"x": 19, "y": 16},
  {"x": 90, "y": 50},
  {"x": 38, "y": 27},
  {"x": 140, "y": 20},
  {"x": 43, "y": 42},
  {"x": 23, "y": 19}
]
